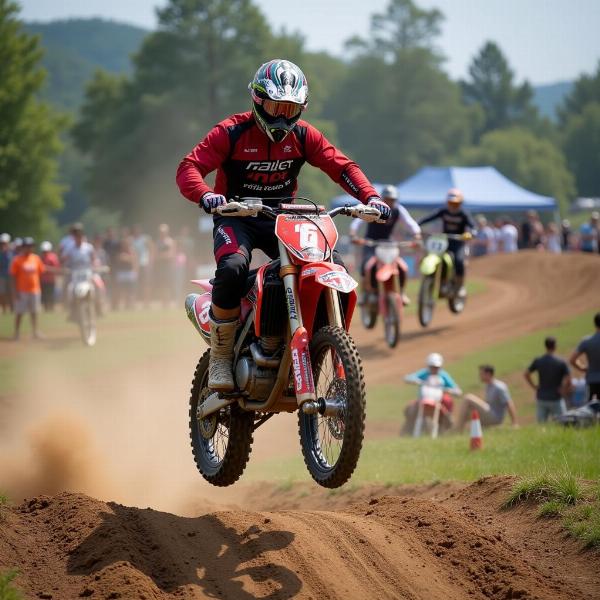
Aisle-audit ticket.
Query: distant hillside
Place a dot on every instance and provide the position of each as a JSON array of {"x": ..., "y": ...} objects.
[
  {"x": 75, "y": 48},
  {"x": 548, "y": 97}
]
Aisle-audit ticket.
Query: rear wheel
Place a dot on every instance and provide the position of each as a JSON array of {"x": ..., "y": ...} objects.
[
  {"x": 456, "y": 303},
  {"x": 221, "y": 442},
  {"x": 86, "y": 321},
  {"x": 331, "y": 443},
  {"x": 426, "y": 300},
  {"x": 368, "y": 313},
  {"x": 392, "y": 322}
]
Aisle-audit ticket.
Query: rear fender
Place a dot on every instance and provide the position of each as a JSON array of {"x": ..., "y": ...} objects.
[
  {"x": 205, "y": 284},
  {"x": 312, "y": 279},
  {"x": 429, "y": 264}
]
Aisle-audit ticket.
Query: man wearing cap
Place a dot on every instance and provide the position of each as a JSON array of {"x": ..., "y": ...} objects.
[
  {"x": 6, "y": 257},
  {"x": 26, "y": 269}
]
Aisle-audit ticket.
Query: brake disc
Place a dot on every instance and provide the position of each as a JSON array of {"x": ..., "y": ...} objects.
[{"x": 336, "y": 425}]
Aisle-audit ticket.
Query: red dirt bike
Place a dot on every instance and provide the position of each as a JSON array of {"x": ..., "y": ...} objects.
[
  {"x": 386, "y": 299},
  {"x": 292, "y": 352}
]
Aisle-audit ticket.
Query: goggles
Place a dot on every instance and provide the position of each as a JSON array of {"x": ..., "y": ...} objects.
[{"x": 288, "y": 110}]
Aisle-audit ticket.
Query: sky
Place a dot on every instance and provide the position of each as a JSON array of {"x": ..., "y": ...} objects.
[{"x": 545, "y": 41}]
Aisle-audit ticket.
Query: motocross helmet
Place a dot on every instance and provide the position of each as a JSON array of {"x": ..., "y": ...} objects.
[
  {"x": 454, "y": 198},
  {"x": 279, "y": 93},
  {"x": 389, "y": 192},
  {"x": 435, "y": 360}
]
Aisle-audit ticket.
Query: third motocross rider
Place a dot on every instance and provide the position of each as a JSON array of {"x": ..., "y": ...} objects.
[
  {"x": 258, "y": 153},
  {"x": 455, "y": 221},
  {"x": 381, "y": 232}
]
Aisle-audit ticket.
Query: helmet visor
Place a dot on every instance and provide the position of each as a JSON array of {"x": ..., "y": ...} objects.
[{"x": 288, "y": 110}]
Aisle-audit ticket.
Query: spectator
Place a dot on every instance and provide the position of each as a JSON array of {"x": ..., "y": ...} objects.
[
  {"x": 508, "y": 236},
  {"x": 6, "y": 257},
  {"x": 532, "y": 231},
  {"x": 589, "y": 234},
  {"x": 186, "y": 245},
  {"x": 142, "y": 244},
  {"x": 433, "y": 368},
  {"x": 493, "y": 408},
  {"x": 165, "y": 259},
  {"x": 566, "y": 234},
  {"x": 553, "y": 239},
  {"x": 68, "y": 241},
  {"x": 553, "y": 382},
  {"x": 485, "y": 238},
  {"x": 48, "y": 277},
  {"x": 590, "y": 347},
  {"x": 111, "y": 247},
  {"x": 26, "y": 269},
  {"x": 125, "y": 265}
]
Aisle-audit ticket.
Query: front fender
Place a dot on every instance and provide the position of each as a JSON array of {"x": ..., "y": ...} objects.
[
  {"x": 313, "y": 278},
  {"x": 385, "y": 272},
  {"x": 429, "y": 264}
]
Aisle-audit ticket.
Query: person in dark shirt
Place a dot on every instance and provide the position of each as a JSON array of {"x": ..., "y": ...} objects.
[
  {"x": 455, "y": 220},
  {"x": 553, "y": 380},
  {"x": 590, "y": 347}
]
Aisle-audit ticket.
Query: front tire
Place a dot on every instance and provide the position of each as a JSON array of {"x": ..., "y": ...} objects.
[
  {"x": 455, "y": 303},
  {"x": 86, "y": 321},
  {"x": 331, "y": 444},
  {"x": 368, "y": 314},
  {"x": 221, "y": 443},
  {"x": 391, "y": 322},
  {"x": 426, "y": 300}
]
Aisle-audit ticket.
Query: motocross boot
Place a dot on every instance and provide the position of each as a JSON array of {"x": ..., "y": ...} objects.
[
  {"x": 222, "y": 337},
  {"x": 461, "y": 292}
]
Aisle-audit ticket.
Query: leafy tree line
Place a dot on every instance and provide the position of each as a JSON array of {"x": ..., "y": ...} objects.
[{"x": 389, "y": 104}]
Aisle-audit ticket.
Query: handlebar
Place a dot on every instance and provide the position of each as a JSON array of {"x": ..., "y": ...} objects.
[
  {"x": 463, "y": 237},
  {"x": 373, "y": 243},
  {"x": 250, "y": 207}
]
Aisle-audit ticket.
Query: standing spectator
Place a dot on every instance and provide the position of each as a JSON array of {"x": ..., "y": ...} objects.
[
  {"x": 165, "y": 261},
  {"x": 26, "y": 269},
  {"x": 111, "y": 247},
  {"x": 6, "y": 257},
  {"x": 553, "y": 239},
  {"x": 48, "y": 278},
  {"x": 590, "y": 347},
  {"x": 125, "y": 265},
  {"x": 553, "y": 382},
  {"x": 142, "y": 244},
  {"x": 185, "y": 244},
  {"x": 589, "y": 234},
  {"x": 68, "y": 241},
  {"x": 566, "y": 234},
  {"x": 491, "y": 410},
  {"x": 509, "y": 236},
  {"x": 485, "y": 238}
]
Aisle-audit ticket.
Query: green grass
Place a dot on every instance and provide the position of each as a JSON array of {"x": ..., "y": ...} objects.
[
  {"x": 510, "y": 358},
  {"x": 521, "y": 451},
  {"x": 7, "y": 590},
  {"x": 561, "y": 493}
]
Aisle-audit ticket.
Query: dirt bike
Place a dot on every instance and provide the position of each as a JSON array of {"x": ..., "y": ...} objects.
[
  {"x": 438, "y": 277},
  {"x": 83, "y": 292},
  {"x": 434, "y": 406},
  {"x": 292, "y": 352},
  {"x": 386, "y": 299}
]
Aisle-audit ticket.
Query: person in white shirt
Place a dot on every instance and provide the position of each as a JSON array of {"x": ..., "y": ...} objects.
[{"x": 509, "y": 236}]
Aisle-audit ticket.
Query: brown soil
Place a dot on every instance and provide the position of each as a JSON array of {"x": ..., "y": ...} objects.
[{"x": 453, "y": 542}]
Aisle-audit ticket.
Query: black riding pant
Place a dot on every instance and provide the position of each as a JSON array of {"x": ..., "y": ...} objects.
[
  {"x": 234, "y": 240},
  {"x": 457, "y": 249}
]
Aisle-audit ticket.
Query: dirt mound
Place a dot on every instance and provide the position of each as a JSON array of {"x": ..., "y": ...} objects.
[
  {"x": 525, "y": 292},
  {"x": 456, "y": 545}
]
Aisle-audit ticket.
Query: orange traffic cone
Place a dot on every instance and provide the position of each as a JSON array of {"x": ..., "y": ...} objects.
[{"x": 476, "y": 432}]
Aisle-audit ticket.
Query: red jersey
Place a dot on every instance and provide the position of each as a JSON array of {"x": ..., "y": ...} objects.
[{"x": 248, "y": 163}]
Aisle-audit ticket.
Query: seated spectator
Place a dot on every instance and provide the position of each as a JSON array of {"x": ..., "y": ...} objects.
[
  {"x": 491, "y": 410},
  {"x": 590, "y": 348},
  {"x": 553, "y": 381}
]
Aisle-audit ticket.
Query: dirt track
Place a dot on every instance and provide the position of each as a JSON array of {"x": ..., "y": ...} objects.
[
  {"x": 451, "y": 544},
  {"x": 458, "y": 545}
]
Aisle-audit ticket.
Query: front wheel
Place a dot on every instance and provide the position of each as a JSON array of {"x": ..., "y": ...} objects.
[
  {"x": 221, "y": 442},
  {"x": 331, "y": 441},
  {"x": 392, "y": 322},
  {"x": 368, "y": 312},
  {"x": 86, "y": 321},
  {"x": 426, "y": 300}
]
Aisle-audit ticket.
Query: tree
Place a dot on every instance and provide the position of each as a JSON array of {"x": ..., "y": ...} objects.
[
  {"x": 582, "y": 148},
  {"x": 396, "y": 110},
  {"x": 491, "y": 86},
  {"x": 535, "y": 163},
  {"x": 29, "y": 130},
  {"x": 585, "y": 90}
]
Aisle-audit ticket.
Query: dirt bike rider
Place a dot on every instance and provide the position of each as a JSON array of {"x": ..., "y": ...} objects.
[
  {"x": 455, "y": 220},
  {"x": 434, "y": 364},
  {"x": 258, "y": 153},
  {"x": 381, "y": 232}
]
